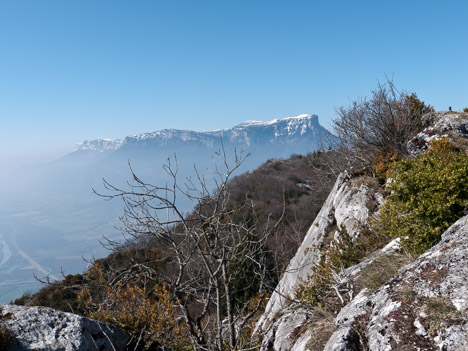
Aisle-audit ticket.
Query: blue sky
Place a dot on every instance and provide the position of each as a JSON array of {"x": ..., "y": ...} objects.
[{"x": 75, "y": 70}]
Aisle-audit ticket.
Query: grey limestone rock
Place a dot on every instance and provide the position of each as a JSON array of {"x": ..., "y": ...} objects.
[
  {"x": 287, "y": 330},
  {"x": 440, "y": 124},
  {"x": 424, "y": 308},
  {"x": 41, "y": 328},
  {"x": 347, "y": 206}
]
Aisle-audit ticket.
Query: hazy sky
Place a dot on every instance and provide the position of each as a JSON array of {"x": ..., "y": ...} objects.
[{"x": 75, "y": 70}]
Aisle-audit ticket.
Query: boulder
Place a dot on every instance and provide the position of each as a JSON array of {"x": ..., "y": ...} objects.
[{"x": 42, "y": 328}]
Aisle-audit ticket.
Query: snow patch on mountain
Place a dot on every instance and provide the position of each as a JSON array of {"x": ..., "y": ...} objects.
[
  {"x": 100, "y": 145},
  {"x": 289, "y": 120},
  {"x": 249, "y": 132}
]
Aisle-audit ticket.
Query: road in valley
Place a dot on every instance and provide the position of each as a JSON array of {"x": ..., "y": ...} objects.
[{"x": 16, "y": 265}]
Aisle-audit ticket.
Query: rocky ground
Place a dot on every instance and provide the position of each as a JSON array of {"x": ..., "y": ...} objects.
[{"x": 41, "y": 328}]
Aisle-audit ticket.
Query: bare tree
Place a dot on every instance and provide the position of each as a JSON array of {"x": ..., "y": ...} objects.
[
  {"x": 204, "y": 253},
  {"x": 381, "y": 124}
]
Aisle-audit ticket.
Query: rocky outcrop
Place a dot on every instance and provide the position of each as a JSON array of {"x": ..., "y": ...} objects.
[
  {"x": 41, "y": 328},
  {"x": 287, "y": 333},
  {"x": 348, "y": 207},
  {"x": 424, "y": 308},
  {"x": 449, "y": 124},
  {"x": 417, "y": 304},
  {"x": 402, "y": 302}
]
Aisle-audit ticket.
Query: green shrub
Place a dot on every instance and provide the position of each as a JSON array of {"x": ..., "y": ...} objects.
[{"x": 428, "y": 194}]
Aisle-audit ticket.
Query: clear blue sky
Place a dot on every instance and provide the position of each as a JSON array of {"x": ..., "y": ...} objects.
[{"x": 75, "y": 70}]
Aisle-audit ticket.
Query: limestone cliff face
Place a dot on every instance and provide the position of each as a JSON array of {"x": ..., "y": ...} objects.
[
  {"x": 348, "y": 206},
  {"x": 45, "y": 329}
]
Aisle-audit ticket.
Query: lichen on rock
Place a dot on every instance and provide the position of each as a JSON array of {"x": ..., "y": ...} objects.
[
  {"x": 42, "y": 328},
  {"x": 425, "y": 307}
]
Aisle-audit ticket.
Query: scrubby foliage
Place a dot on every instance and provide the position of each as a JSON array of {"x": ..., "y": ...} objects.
[
  {"x": 293, "y": 190},
  {"x": 427, "y": 195},
  {"x": 383, "y": 164},
  {"x": 148, "y": 314},
  {"x": 326, "y": 286},
  {"x": 381, "y": 124},
  {"x": 61, "y": 296}
]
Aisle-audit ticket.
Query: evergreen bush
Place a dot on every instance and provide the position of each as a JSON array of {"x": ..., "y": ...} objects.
[{"x": 427, "y": 194}]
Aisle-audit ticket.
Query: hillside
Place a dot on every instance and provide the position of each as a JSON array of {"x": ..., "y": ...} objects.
[{"x": 304, "y": 183}]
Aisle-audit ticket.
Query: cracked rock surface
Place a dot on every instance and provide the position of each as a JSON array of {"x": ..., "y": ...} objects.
[
  {"x": 424, "y": 308},
  {"x": 42, "y": 328},
  {"x": 347, "y": 206}
]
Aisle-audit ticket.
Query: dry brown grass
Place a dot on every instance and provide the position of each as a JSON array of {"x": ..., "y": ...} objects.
[
  {"x": 381, "y": 270},
  {"x": 322, "y": 328},
  {"x": 372, "y": 182},
  {"x": 440, "y": 312},
  {"x": 458, "y": 141}
]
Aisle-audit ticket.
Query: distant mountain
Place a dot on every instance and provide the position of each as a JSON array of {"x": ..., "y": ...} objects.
[
  {"x": 75, "y": 174},
  {"x": 70, "y": 179},
  {"x": 301, "y": 134},
  {"x": 51, "y": 217},
  {"x": 94, "y": 159}
]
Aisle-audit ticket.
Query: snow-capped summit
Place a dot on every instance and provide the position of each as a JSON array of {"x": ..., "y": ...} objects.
[
  {"x": 186, "y": 150},
  {"x": 99, "y": 145},
  {"x": 304, "y": 127},
  {"x": 281, "y": 130},
  {"x": 295, "y": 119}
]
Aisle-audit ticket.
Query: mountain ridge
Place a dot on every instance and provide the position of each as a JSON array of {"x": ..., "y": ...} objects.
[{"x": 287, "y": 126}]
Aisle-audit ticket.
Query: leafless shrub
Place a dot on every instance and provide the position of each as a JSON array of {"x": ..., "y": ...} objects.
[
  {"x": 205, "y": 255},
  {"x": 381, "y": 124}
]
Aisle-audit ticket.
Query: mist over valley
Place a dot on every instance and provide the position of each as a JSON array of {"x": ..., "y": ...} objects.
[{"x": 51, "y": 221}]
